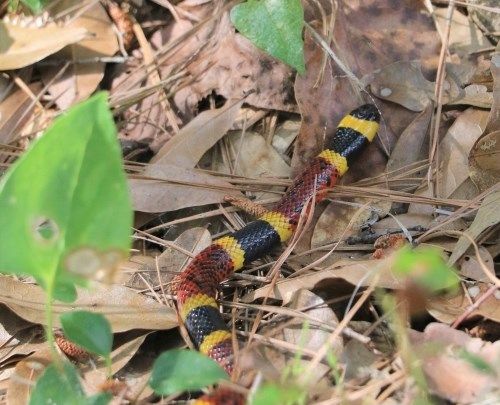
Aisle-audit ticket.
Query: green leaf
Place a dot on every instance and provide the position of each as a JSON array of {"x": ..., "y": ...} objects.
[
  {"x": 184, "y": 370},
  {"x": 272, "y": 394},
  {"x": 58, "y": 387},
  {"x": 274, "y": 26},
  {"x": 35, "y": 5},
  {"x": 88, "y": 330},
  {"x": 65, "y": 207},
  {"x": 99, "y": 399},
  {"x": 426, "y": 267}
]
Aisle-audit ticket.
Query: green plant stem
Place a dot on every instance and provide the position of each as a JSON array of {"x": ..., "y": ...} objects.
[
  {"x": 49, "y": 323},
  {"x": 108, "y": 365}
]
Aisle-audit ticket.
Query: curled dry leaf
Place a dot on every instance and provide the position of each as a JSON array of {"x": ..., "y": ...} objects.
[
  {"x": 168, "y": 188},
  {"x": 470, "y": 266},
  {"x": 403, "y": 83},
  {"x": 23, "y": 46},
  {"x": 484, "y": 161},
  {"x": 448, "y": 308},
  {"x": 487, "y": 215},
  {"x": 122, "y": 307},
  {"x": 494, "y": 119},
  {"x": 17, "y": 336},
  {"x": 414, "y": 138},
  {"x": 359, "y": 273},
  {"x": 449, "y": 374},
  {"x": 454, "y": 152},
  {"x": 198, "y": 136},
  {"x": 454, "y": 149},
  {"x": 465, "y": 36},
  {"x": 82, "y": 78}
]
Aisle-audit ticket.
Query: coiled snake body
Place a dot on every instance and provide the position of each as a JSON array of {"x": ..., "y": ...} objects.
[{"x": 197, "y": 284}]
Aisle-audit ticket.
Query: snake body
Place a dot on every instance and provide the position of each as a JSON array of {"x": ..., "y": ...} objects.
[{"x": 197, "y": 284}]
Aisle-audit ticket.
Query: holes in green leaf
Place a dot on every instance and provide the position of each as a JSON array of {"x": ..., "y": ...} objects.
[{"x": 45, "y": 230}]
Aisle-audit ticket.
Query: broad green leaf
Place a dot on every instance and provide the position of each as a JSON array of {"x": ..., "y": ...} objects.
[
  {"x": 272, "y": 394},
  {"x": 58, "y": 387},
  {"x": 88, "y": 330},
  {"x": 184, "y": 370},
  {"x": 65, "y": 206},
  {"x": 426, "y": 267},
  {"x": 274, "y": 26}
]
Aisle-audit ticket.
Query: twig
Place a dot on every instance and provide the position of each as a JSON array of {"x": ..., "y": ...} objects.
[{"x": 474, "y": 306}]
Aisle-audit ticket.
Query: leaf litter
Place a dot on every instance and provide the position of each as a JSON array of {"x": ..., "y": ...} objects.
[{"x": 203, "y": 114}]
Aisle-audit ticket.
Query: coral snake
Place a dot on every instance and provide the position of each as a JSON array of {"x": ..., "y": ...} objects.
[{"x": 196, "y": 286}]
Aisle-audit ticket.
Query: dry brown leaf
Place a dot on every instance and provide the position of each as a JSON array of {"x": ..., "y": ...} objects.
[
  {"x": 487, "y": 215},
  {"x": 357, "y": 359},
  {"x": 17, "y": 336},
  {"x": 415, "y": 139},
  {"x": 25, "y": 374},
  {"x": 223, "y": 62},
  {"x": 407, "y": 220},
  {"x": 122, "y": 307},
  {"x": 448, "y": 374},
  {"x": 171, "y": 188},
  {"x": 494, "y": 118},
  {"x": 93, "y": 377},
  {"x": 15, "y": 111},
  {"x": 484, "y": 161},
  {"x": 81, "y": 79},
  {"x": 471, "y": 268},
  {"x": 305, "y": 334},
  {"x": 454, "y": 153},
  {"x": 465, "y": 37},
  {"x": 403, "y": 83},
  {"x": 448, "y": 308},
  {"x": 359, "y": 273},
  {"x": 488, "y": 14},
  {"x": 251, "y": 156},
  {"x": 171, "y": 261},
  {"x": 285, "y": 135},
  {"x": 476, "y": 95},
  {"x": 20, "y": 46},
  {"x": 313, "y": 337},
  {"x": 198, "y": 136},
  {"x": 338, "y": 222}
]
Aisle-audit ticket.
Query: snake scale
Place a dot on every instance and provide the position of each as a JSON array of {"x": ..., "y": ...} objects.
[{"x": 197, "y": 285}]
